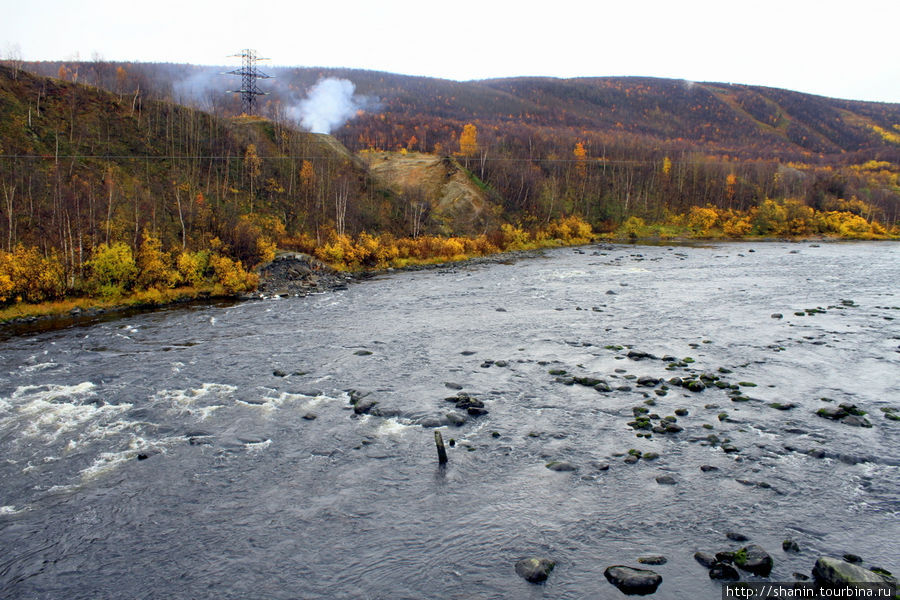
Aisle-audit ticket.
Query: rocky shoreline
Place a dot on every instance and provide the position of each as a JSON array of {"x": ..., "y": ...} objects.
[{"x": 298, "y": 274}]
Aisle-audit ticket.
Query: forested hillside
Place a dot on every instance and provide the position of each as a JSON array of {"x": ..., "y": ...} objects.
[
  {"x": 100, "y": 154},
  {"x": 734, "y": 119},
  {"x": 729, "y": 145}
]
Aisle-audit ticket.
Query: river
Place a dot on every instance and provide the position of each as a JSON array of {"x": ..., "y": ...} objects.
[{"x": 213, "y": 452}]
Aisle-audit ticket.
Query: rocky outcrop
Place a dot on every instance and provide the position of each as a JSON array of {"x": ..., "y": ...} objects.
[{"x": 298, "y": 274}]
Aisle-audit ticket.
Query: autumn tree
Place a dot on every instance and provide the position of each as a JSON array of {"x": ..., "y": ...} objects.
[
  {"x": 153, "y": 265},
  {"x": 26, "y": 274},
  {"x": 111, "y": 269},
  {"x": 468, "y": 141},
  {"x": 253, "y": 167},
  {"x": 580, "y": 158}
]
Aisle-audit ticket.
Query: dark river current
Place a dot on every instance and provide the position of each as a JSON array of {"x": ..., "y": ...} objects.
[{"x": 213, "y": 452}]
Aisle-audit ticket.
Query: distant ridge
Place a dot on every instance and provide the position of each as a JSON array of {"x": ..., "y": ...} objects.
[{"x": 719, "y": 118}]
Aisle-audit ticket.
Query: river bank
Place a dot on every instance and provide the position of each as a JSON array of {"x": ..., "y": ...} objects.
[
  {"x": 296, "y": 274},
  {"x": 290, "y": 274}
]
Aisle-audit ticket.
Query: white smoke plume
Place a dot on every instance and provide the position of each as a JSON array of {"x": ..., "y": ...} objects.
[{"x": 328, "y": 105}]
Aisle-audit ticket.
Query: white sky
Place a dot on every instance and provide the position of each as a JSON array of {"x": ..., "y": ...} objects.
[{"x": 845, "y": 49}]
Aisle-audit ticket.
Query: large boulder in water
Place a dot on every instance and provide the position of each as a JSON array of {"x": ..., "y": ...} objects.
[
  {"x": 633, "y": 581},
  {"x": 723, "y": 571},
  {"x": 834, "y": 571},
  {"x": 534, "y": 570},
  {"x": 754, "y": 559}
]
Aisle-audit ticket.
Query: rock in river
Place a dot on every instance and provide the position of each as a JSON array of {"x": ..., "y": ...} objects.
[
  {"x": 455, "y": 418},
  {"x": 753, "y": 559},
  {"x": 705, "y": 558},
  {"x": 363, "y": 407},
  {"x": 633, "y": 581},
  {"x": 723, "y": 571},
  {"x": 834, "y": 571},
  {"x": 560, "y": 466},
  {"x": 534, "y": 570}
]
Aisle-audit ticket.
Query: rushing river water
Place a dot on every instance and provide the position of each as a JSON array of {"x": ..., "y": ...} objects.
[{"x": 213, "y": 452}]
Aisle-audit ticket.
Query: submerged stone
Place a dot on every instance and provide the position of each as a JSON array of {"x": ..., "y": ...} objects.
[
  {"x": 455, "y": 418},
  {"x": 534, "y": 570},
  {"x": 560, "y": 466}
]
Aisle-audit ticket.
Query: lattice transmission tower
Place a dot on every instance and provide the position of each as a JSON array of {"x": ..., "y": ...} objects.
[{"x": 249, "y": 74}]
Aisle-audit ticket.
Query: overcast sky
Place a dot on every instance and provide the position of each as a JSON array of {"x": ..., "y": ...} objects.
[{"x": 834, "y": 48}]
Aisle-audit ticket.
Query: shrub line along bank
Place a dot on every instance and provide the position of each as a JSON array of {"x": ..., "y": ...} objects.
[{"x": 33, "y": 287}]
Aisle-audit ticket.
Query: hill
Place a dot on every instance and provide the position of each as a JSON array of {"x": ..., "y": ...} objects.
[
  {"x": 80, "y": 166},
  {"x": 111, "y": 190},
  {"x": 605, "y": 149},
  {"x": 751, "y": 122}
]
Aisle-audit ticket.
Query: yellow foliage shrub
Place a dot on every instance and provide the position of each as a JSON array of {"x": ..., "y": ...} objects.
[
  {"x": 572, "y": 229},
  {"x": 371, "y": 251},
  {"x": 770, "y": 218},
  {"x": 737, "y": 225},
  {"x": 854, "y": 226},
  {"x": 192, "y": 267},
  {"x": 35, "y": 277},
  {"x": 6, "y": 288},
  {"x": 154, "y": 266},
  {"x": 633, "y": 227},
  {"x": 265, "y": 249},
  {"x": 452, "y": 248},
  {"x": 701, "y": 220},
  {"x": 112, "y": 269},
  {"x": 799, "y": 218},
  {"x": 231, "y": 275},
  {"x": 513, "y": 238},
  {"x": 152, "y": 296},
  {"x": 338, "y": 251},
  {"x": 479, "y": 246},
  {"x": 256, "y": 237}
]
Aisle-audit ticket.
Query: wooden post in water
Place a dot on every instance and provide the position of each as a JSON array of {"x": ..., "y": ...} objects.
[{"x": 439, "y": 442}]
